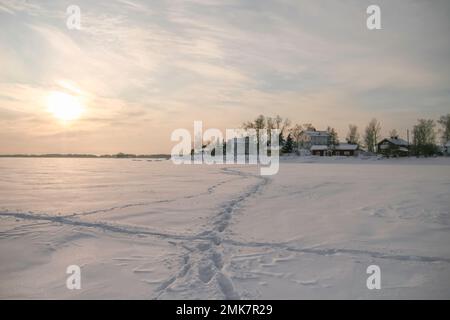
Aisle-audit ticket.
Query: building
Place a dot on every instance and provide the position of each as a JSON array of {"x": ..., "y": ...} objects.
[
  {"x": 393, "y": 147},
  {"x": 345, "y": 149},
  {"x": 311, "y": 138},
  {"x": 319, "y": 150}
]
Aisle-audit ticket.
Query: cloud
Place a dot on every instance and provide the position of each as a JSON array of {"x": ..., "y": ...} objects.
[
  {"x": 13, "y": 6},
  {"x": 147, "y": 66}
]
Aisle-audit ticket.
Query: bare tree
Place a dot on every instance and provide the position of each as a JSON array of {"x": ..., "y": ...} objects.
[
  {"x": 296, "y": 133},
  {"x": 334, "y": 139},
  {"x": 258, "y": 124},
  {"x": 424, "y": 137},
  {"x": 444, "y": 122},
  {"x": 270, "y": 123},
  {"x": 371, "y": 134},
  {"x": 353, "y": 134},
  {"x": 278, "y": 123},
  {"x": 282, "y": 124},
  {"x": 393, "y": 134}
]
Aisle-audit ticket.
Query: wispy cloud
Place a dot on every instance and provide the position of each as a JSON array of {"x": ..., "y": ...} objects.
[{"x": 152, "y": 66}]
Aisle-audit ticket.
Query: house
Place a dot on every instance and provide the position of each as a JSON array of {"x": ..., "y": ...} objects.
[
  {"x": 345, "y": 149},
  {"x": 319, "y": 150},
  {"x": 311, "y": 138},
  {"x": 394, "y": 147}
]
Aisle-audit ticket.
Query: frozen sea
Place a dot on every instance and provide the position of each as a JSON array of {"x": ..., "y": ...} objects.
[{"x": 155, "y": 230}]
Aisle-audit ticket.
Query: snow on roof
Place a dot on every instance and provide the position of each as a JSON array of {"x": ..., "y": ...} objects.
[
  {"x": 346, "y": 146},
  {"x": 398, "y": 141},
  {"x": 318, "y": 147},
  {"x": 316, "y": 133}
]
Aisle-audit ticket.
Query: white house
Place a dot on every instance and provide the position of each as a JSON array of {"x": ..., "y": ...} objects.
[{"x": 311, "y": 138}]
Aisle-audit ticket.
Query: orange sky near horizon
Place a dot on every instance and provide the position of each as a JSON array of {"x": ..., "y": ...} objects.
[{"x": 137, "y": 70}]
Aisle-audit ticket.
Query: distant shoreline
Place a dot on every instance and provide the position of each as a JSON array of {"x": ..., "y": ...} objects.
[{"x": 104, "y": 156}]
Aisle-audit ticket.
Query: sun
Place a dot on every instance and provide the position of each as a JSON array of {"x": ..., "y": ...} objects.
[{"x": 64, "y": 107}]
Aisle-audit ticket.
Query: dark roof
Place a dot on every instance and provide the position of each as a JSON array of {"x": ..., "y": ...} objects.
[
  {"x": 396, "y": 141},
  {"x": 316, "y": 133}
]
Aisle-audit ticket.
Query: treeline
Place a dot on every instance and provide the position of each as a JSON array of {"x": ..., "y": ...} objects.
[
  {"x": 76, "y": 155},
  {"x": 425, "y": 134}
]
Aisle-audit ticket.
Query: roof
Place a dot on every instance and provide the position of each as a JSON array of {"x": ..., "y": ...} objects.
[
  {"x": 318, "y": 147},
  {"x": 346, "y": 146},
  {"x": 316, "y": 133},
  {"x": 397, "y": 141}
]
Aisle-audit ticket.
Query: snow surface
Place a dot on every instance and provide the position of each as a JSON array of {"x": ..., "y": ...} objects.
[{"x": 154, "y": 230}]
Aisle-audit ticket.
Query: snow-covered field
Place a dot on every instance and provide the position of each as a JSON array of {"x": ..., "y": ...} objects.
[{"x": 154, "y": 230}]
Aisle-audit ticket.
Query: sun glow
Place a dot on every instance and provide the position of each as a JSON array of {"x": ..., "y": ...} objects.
[{"x": 64, "y": 107}]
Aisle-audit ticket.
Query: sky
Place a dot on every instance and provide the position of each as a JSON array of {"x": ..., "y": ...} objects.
[{"x": 141, "y": 69}]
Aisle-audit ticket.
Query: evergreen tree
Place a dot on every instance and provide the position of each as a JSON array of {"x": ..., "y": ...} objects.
[
  {"x": 281, "y": 140},
  {"x": 289, "y": 145}
]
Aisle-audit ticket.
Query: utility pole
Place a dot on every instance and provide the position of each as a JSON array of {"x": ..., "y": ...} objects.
[{"x": 407, "y": 138}]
